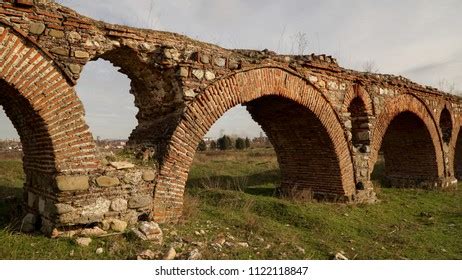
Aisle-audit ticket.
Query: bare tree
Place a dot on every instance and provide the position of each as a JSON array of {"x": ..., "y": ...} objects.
[
  {"x": 281, "y": 38},
  {"x": 370, "y": 66},
  {"x": 446, "y": 86},
  {"x": 300, "y": 41},
  {"x": 151, "y": 19}
]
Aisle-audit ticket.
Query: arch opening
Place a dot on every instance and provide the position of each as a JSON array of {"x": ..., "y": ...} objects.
[
  {"x": 308, "y": 164},
  {"x": 235, "y": 154},
  {"x": 458, "y": 157},
  {"x": 110, "y": 111},
  {"x": 26, "y": 164},
  {"x": 446, "y": 125},
  {"x": 156, "y": 95},
  {"x": 32, "y": 129},
  {"x": 359, "y": 124},
  {"x": 296, "y": 118},
  {"x": 305, "y": 152},
  {"x": 407, "y": 156}
]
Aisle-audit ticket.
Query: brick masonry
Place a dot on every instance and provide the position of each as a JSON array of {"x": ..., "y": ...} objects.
[{"x": 327, "y": 123}]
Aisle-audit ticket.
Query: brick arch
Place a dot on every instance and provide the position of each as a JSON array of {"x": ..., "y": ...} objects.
[
  {"x": 358, "y": 92},
  {"x": 455, "y": 149},
  {"x": 445, "y": 119},
  {"x": 248, "y": 87},
  {"x": 409, "y": 109},
  {"x": 56, "y": 136}
]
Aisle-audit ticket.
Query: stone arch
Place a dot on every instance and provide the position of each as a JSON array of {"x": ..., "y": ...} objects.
[
  {"x": 358, "y": 92},
  {"x": 409, "y": 136},
  {"x": 47, "y": 114},
  {"x": 259, "y": 88}
]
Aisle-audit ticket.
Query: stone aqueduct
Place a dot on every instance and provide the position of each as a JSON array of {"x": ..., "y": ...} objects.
[{"x": 327, "y": 123}]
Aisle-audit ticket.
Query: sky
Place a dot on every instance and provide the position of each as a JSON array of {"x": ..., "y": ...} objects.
[{"x": 419, "y": 39}]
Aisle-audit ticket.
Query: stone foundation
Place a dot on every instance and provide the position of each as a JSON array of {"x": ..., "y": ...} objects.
[
  {"x": 430, "y": 184},
  {"x": 78, "y": 200}
]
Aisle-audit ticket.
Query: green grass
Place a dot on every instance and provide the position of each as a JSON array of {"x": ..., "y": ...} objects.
[{"x": 230, "y": 194}]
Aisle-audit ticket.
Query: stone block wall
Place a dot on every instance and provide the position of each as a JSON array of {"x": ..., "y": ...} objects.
[{"x": 76, "y": 200}]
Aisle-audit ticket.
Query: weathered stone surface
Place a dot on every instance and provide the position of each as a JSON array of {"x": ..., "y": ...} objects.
[
  {"x": 74, "y": 36},
  {"x": 118, "y": 225},
  {"x": 195, "y": 255},
  {"x": 170, "y": 254},
  {"x": 106, "y": 181},
  {"x": 139, "y": 201},
  {"x": 31, "y": 198},
  {"x": 233, "y": 64},
  {"x": 37, "y": 28},
  {"x": 105, "y": 225},
  {"x": 75, "y": 68},
  {"x": 242, "y": 244},
  {"x": 60, "y": 50},
  {"x": 198, "y": 73},
  {"x": 81, "y": 54},
  {"x": 219, "y": 61},
  {"x": 131, "y": 216},
  {"x": 348, "y": 124},
  {"x": 72, "y": 183},
  {"x": 190, "y": 93},
  {"x": 133, "y": 177},
  {"x": 313, "y": 79},
  {"x": 93, "y": 232},
  {"x": 149, "y": 175},
  {"x": 184, "y": 72},
  {"x": 83, "y": 241},
  {"x": 96, "y": 209},
  {"x": 146, "y": 255},
  {"x": 363, "y": 135},
  {"x": 205, "y": 59},
  {"x": 149, "y": 231},
  {"x": 56, "y": 33},
  {"x": 121, "y": 165},
  {"x": 119, "y": 205},
  {"x": 340, "y": 256},
  {"x": 41, "y": 205},
  {"x": 172, "y": 53},
  {"x": 62, "y": 208},
  {"x": 209, "y": 75},
  {"x": 28, "y": 223}
]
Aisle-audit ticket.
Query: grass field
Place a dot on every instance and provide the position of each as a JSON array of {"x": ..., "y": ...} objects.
[{"x": 230, "y": 196}]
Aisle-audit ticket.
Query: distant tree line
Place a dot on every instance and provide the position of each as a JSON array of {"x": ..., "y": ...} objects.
[{"x": 225, "y": 143}]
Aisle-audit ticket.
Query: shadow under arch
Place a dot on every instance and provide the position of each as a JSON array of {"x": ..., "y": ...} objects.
[
  {"x": 458, "y": 155},
  {"x": 407, "y": 134},
  {"x": 39, "y": 161},
  {"x": 290, "y": 110},
  {"x": 32, "y": 129}
]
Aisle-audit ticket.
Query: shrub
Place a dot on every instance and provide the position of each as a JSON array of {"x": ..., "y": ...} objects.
[
  {"x": 240, "y": 144},
  {"x": 202, "y": 146}
]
